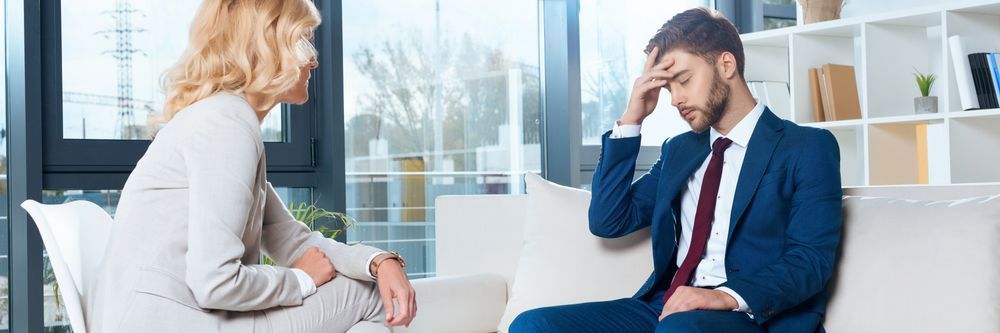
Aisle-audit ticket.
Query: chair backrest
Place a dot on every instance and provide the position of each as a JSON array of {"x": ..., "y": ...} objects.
[
  {"x": 479, "y": 234},
  {"x": 75, "y": 235}
]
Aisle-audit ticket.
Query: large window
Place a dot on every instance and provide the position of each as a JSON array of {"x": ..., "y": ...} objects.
[
  {"x": 4, "y": 200},
  {"x": 613, "y": 35},
  {"x": 107, "y": 57},
  {"x": 440, "y": 97},
  {"x": 114, "y": 52}
]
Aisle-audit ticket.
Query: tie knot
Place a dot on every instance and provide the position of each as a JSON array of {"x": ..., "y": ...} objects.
[{"x": 720, "y": 145}]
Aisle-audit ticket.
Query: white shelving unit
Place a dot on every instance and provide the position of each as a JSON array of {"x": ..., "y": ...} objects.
[{"x": 880, "y": 148}]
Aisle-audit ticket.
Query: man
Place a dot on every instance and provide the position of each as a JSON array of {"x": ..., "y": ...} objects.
[{"x": 744, "y": 209}]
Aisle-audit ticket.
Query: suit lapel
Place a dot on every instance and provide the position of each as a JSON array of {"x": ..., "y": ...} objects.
[
  {"x": 681, "y": 164},
  {"x": 765, "y": 138}
]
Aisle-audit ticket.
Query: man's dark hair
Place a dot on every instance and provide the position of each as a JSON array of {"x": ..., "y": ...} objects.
[{"x": 702, "y": 33}]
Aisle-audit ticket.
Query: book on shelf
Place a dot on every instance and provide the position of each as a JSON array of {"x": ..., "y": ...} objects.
[
  {"x": 815, "y": 95},
  {"x": 986, "y": 89},
  {"x": 824, "y": 96},
  {"x": 977, "y": 75},
  {"x": 991, "y": 59},
  {"x": 840, "y": 92},
  {"x": 963, "y": 72}
]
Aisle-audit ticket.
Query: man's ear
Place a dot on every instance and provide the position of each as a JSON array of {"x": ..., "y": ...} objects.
[{"x": 726, "y": 65}]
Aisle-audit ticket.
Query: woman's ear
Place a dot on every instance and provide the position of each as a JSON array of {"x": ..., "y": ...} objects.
[{"x": 726, "y": 65}]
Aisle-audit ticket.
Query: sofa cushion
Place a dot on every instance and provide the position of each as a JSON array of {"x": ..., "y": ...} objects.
[
  {"x": 918, "y": 266},
  {"x": 562, "y": 263}
]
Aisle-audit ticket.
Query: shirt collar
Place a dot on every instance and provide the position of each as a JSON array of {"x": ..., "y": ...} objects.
[{"x": 741, "y": 133}]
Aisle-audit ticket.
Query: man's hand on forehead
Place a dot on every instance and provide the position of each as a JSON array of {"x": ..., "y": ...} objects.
[{"x": 661, "y": 70}]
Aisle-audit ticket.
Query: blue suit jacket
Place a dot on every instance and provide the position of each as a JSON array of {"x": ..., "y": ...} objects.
[{"x": 785, "y": 225}]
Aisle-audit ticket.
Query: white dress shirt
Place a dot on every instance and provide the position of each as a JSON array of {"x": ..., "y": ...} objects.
[{"x": 711, "y": 271}]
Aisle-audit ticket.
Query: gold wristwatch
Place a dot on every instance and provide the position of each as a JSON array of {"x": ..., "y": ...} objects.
[{"x": 393, "y": 255}]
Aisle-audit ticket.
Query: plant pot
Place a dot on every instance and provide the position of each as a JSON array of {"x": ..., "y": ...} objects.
[
  {"x": 820, "y": 10},
  {"x": 925, "y": 104}
]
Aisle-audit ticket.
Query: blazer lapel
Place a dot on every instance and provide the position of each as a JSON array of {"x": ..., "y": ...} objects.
[
  {"x": 681, "y": 164},
  {"x": 765, "y": 138}
]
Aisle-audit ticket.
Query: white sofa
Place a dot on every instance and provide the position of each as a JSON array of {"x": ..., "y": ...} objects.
[{"x": 906, "y": 265}]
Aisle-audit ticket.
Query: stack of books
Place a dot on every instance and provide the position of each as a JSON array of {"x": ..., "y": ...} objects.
[
  {"x": 834, "y": 93},
  {"x": 976, "y": 72}
]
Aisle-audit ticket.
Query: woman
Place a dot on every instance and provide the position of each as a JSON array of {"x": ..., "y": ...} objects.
[{"x": 197, "y": 211}]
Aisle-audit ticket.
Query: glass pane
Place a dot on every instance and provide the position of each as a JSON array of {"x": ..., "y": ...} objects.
[
  {"x": 114, "y": 52},
  {"x": 441, "y": 97},
  {"x": 612, "y": 37},
  {"x": 4, "y": 200},
  {"x": 55, "y": 317},
  {"x": 774, "y": 23},
  {"x": 780, "y": 2}
]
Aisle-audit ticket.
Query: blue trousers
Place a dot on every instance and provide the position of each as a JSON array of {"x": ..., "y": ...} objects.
[{"x": 629, "y": 315}]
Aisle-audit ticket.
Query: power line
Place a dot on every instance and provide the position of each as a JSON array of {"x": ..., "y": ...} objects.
[{"x": 122, "y": 33}]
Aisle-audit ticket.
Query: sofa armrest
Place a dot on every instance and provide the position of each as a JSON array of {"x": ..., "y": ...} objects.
[{"x": 465, "y": 303}]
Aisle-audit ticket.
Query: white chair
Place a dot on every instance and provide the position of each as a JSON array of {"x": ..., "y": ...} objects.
[{"x": 74, "y": 235}]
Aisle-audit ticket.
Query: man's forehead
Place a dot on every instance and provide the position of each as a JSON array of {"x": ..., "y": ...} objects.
[{"x": 682, "y": 59}]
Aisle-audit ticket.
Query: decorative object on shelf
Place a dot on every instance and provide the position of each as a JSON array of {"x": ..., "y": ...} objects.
[
  {"x": 925, "y": 103},
  {"x": 820, "y": 10}
]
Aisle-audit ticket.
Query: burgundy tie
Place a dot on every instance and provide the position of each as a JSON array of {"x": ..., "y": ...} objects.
[{"x": 702, "y": 218}]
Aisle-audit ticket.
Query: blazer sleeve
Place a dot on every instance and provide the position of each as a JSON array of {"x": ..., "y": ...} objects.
[
  {"x": 619, "y": 206},
  {"x": 811, "y": 238},
  {"x": 284, "y": 239},
  {"x": 221, "y": 162}
]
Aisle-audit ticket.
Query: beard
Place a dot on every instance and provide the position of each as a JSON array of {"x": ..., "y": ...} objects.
[{"x": 718, "y": 100}]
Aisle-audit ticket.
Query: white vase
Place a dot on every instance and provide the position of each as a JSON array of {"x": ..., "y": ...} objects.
[{"x": 820, "y": 10}]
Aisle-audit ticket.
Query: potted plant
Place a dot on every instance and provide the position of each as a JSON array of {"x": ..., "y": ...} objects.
[
  {"x": 330, "y": 224},
  {"x": 925, "y": 103},
  {"x": 820, "y": 10}
]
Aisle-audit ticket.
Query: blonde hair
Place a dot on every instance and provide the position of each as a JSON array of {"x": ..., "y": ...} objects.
[{"x": 242, "y": 46}]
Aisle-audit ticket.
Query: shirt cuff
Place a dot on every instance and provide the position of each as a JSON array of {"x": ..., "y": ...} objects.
[
  {"x": 368, "y": 264},
  {"x": 305, "y": 282},
  {"x": 743, "y": 307},
  {"x": 625, "y": 131}
]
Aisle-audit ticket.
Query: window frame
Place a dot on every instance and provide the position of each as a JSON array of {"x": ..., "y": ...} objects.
[{"x": 98, "y": 163}]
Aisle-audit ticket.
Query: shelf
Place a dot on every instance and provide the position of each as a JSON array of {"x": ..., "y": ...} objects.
[
  {"x": 890, "y": 144},
  {"x": 974, "y": 149},
  {"x": 894, "y": 51},
  {"x": 919, "y": 21},
  {"x": 988, "y": 113},
  {"x": 852, "y": 167},
  {"x": 764, "y": 39},
  {"x": 835, "y": 124},
  {"x": 814, "y": 51},
  {"x": 987, "y": 8},
  {"x": 908, "y": 119},
  {"x": 980, "y": 26},
  {"x": 767, "y": 60}
]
